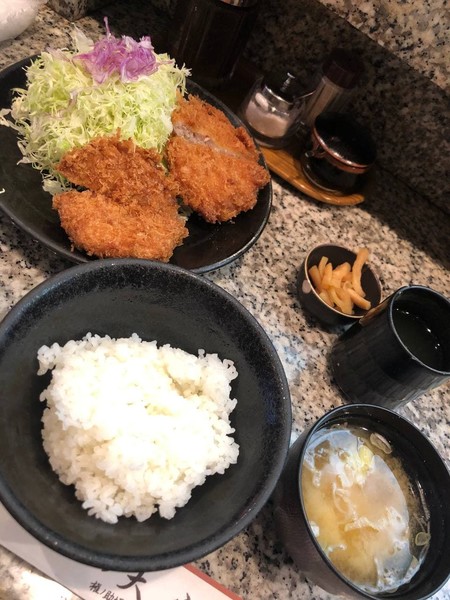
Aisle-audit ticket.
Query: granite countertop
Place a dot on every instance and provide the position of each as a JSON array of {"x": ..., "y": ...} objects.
[{"x": 408, "y": 243}]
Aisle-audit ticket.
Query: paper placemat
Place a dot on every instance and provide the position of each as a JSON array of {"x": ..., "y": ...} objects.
[{"x": 90, "y": 583}]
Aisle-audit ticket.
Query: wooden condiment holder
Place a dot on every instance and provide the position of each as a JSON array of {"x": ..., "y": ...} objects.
[{"x": 283, "y": 161}]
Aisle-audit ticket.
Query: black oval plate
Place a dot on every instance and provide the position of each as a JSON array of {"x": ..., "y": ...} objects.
[{"x": 208, "y": 247}]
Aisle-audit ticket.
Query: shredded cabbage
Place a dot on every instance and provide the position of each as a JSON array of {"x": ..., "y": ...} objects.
[{"x": 63, "y": 107}]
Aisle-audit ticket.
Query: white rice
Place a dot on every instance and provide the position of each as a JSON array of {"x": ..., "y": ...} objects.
[{"x": 135, "y": 427}]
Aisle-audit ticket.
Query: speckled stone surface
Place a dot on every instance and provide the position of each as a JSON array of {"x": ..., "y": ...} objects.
[
  {"x": 409, "y": 242},
  {"x": 404, "y": 95},
  {"x": 407, "y": 113},
  {"x": 254, "y": 564},
  {"x": 416, "y": 32},
  {"x": 75, "y": 9}
]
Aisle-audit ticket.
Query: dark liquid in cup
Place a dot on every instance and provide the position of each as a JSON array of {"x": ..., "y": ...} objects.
[{"x": 420, "y": 339}]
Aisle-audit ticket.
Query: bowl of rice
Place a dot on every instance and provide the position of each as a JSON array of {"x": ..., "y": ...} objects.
[{"x": 145, "y": 416}]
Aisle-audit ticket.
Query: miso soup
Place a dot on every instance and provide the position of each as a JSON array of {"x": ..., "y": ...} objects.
[{"x": 368, "y": 516}]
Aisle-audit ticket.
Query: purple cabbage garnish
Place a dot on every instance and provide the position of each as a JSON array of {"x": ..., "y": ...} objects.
[{"x": 125, "y": 56}]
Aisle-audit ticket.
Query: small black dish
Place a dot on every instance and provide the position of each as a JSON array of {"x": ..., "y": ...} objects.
[
  {"x": 172, "y": 306},
  {"x": 422, "y": 463},
  {"x": 311, "y": 300}
]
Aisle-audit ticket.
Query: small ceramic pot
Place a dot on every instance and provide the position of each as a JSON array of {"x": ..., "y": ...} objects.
[{"x": 340, "y": 153}]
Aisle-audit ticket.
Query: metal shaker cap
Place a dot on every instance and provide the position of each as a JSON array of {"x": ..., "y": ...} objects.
[
  {"x": 343, "y": 68},
  {"x": 284, "y": 84}
]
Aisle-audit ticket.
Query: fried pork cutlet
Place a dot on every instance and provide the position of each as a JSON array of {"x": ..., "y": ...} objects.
[
  {"x": 117, "y": 168},
  {"x": 106, "y": 228},
  {"x": 215, "y": 164},
  {"x": 197, "y": 120},
  {"x": 130, "y": 207},
  {"x": 217, "y": 185}
]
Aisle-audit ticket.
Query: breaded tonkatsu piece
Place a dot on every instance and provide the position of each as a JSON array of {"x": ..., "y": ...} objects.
[
  {"x": 215, "y": 164},
  {"x": 106, "y": 228},
  {"x": 217, "y": 185},
  {"x": 119, "y": 169},
  {"x": 130, "y": 208},
  {"x": 198, "y": 121}
]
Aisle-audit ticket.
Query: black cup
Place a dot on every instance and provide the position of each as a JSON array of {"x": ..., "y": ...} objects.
[
  {"x": 398, "y": 351},
  {"x": 421, "y": 462}
]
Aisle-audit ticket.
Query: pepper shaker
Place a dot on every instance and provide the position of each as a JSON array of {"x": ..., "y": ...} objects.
[{"x": 340, "y": 73}]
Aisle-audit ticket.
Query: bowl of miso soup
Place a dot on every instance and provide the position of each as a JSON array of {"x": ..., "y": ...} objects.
[{"x": 362, "y": 506}]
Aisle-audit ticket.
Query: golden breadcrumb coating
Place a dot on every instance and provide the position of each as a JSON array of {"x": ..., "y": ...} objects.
[
  {"x": 130, "y": 207},
  {"x": 119, "y": 169},
  {"x": 218, "y": 186},
  {"x": 210, "y": 125},
  {"x": 104, "y": 227},
  {"x": 214, "y": 164}
]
